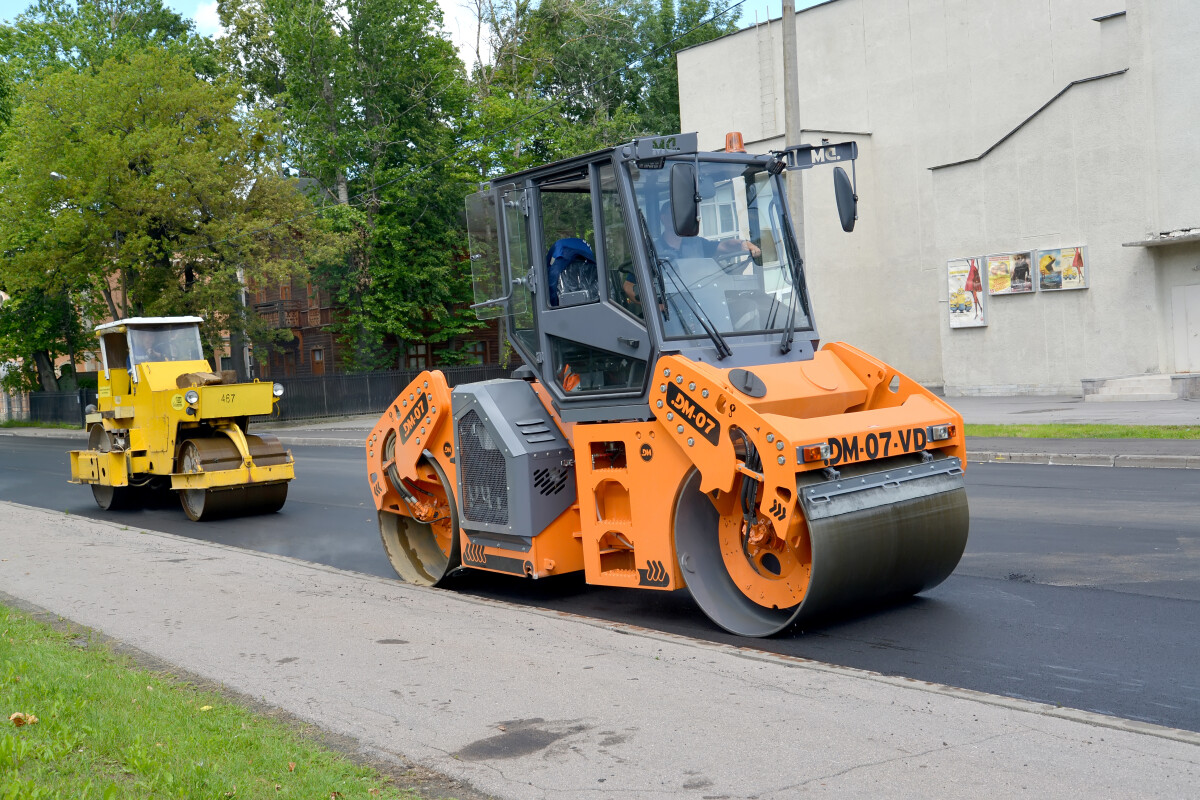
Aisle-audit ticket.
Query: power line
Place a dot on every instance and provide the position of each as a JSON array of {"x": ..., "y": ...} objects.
[{"x": 486, "y": 138}]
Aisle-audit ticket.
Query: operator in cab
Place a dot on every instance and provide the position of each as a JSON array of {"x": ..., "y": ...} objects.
[{"x": 671, "y": 245}]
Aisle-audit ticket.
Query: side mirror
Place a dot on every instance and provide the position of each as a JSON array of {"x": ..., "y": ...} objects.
[
  {"x": 685, "y": 213},
  {"x": 847, "y": 200}
]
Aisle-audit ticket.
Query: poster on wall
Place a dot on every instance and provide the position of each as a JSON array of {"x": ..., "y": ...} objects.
[
  {"x": 1064, "y": 268},
  {"x": 1010, "y": 273},
  {"x": 966, "y": 293}
]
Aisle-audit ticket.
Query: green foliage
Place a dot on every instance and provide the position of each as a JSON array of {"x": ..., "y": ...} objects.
[
  {"x": 37, "y": 325},
  {"x": 369, "y": 90},
  {"x": 589, "y": 73},
  {"x": 80, "y": 35},
  {"x": 169, "y": 151},
  {"x": 8, "y": 96},
  {"x": 139, "y": 189}
]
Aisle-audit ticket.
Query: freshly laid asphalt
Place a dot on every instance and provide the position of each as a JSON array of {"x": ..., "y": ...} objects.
[{"x": 523, "y": 702}]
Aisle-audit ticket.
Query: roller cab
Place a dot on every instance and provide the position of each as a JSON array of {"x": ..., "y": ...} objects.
[
  {"x": 679, "y": 422},
  {"x": 164, "y": 421}
]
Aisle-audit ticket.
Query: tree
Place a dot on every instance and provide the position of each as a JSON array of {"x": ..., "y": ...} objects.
[
  {"x": 74, "y": 36},
  {"x": 569, "y": 76},
  {"x": 370, "y": 91},
  {"x": 36, "y": 327},
  {"x": 139, "y": 189}
]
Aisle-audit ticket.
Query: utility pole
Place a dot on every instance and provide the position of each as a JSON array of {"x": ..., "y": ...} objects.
[
  {"x": 238, "y": 351},
  {"x": 791, "y": 118}
]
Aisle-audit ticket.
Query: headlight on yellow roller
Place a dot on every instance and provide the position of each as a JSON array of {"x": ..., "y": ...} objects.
[
  {"x": 277, "y": 390},
  {"x": 192, "y": 397}
]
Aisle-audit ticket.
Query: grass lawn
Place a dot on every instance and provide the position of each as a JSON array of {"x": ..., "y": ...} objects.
[
  {"x": 1062, "y": 431},
  {"x": 25, "y": 423},
  {"x": 107, "y": 729}
]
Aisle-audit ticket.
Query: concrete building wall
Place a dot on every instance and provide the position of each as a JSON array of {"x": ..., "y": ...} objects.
[
  {"x": 926, "y": 83},
  {"x": 1065, "y": 178},
  {"x": 1169, "y": 35}
]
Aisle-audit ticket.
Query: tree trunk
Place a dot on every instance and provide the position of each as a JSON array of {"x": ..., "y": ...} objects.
[
  {"x": 45, "y": 371},
  {"x": 343, "y": 188},
  {"x": 112, "y": 306}
]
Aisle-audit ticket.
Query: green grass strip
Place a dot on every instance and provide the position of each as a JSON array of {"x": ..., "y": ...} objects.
[
  {"x": 1063, "y": 431},
  {"x": 108, "y": 730},
  {"x": 28, "y": 423}
]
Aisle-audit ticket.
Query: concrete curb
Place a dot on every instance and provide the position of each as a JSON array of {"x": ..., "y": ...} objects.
[
  {"x": 976, "y": 456},
  {"x": 314, "y": 441},
  {"x": 1086, "y": 459},
  {"x": 44, "y": 433}
]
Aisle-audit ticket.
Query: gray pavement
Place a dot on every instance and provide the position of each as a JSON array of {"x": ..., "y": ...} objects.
[
  {"x": 524, "y": 703},
  {"x": 1038, "y": 410}
]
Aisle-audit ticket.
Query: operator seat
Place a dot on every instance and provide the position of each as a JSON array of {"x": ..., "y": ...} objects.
[{"x": 571, "y": 273}]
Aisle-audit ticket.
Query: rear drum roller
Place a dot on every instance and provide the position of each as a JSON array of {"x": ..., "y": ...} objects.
[
  {"x": 894, "y": 543},
  {"x": 109, "y": 498},
  {"x": 219, "y": 453},
  {"x": 423, "y": 553}
]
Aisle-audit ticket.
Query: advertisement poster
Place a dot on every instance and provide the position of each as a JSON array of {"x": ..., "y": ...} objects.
[
  {"x": 1010, "y": 273},
  {"x": 966, "y": 293},
  {"x": 1064, "y": 268}
]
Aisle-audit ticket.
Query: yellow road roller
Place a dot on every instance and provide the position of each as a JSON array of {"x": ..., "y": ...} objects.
[
  {"x": 164, "y": 421},
  {"x": 678, "y": 421}
]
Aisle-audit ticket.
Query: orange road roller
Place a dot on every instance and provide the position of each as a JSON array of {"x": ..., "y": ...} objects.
[{"x": 677, "y": 422}]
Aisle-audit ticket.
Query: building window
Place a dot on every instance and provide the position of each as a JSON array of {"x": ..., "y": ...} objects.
[
  {"x": 318, "y": 361},
  {"x": 285, "y": 291},
  {"x": 718, "y": 216},
  {"x": 477, "y": 352},
  {"x": 257, "y": 293},
  {"x": 312, "y": 297},
  {"x": 264, "y": 369},
  {"x": 417, "y": 356},
  {"x": 289, "y": 364}
]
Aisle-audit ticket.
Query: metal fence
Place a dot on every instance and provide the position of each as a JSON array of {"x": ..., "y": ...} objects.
[
  {"x": 303, "y": 398},
  {"x": 361, "y": 393},
  {"x": 65, "y": 407}
]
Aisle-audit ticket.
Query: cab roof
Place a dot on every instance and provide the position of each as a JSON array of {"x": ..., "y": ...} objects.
[
  {"x": 646, "y": 147},
  {"x": 146, "y": 322}
]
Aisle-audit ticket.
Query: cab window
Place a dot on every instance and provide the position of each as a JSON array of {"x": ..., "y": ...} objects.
[
  {"x": 116, "y": 351},
  {"x": 568, "y": 237},
  {"x": 165, "y": 343},
  {"x": 618, "y": 249},
  {"x": 579, "y": 368}
]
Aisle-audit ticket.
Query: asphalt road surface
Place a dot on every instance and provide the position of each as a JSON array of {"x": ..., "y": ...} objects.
[{"x": 1080, "y": 585}]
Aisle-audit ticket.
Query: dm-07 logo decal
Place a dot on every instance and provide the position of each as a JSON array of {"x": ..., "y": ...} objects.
[
  {"x": 687, "y": 408},
  {"x": 413, "y": 418},
  {"x": 876, "y": 445}
]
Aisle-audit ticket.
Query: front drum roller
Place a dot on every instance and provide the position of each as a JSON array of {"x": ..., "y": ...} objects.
[
  {"x": 109, "y": 498},
  {"x": 423, "y": 553},
  {"x": 220, "y": 453},
  {"x": 881, "y": 538}
]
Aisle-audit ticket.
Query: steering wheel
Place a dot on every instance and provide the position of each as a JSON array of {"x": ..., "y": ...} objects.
[{"x": 735, "y": 263}]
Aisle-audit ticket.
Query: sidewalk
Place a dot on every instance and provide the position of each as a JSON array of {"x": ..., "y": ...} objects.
[
  {"x": 1034, "y": 410},
  {"x": 523, "y": 703}
]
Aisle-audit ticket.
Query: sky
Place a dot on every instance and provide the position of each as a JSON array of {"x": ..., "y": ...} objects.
[{"x": 458, "y": 18}]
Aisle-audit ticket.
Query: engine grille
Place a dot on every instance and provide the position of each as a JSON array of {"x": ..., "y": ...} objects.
[
  {"x": 551, "y": 480},
  {"x": 484, "y": 473}
]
